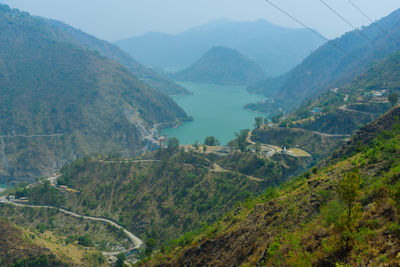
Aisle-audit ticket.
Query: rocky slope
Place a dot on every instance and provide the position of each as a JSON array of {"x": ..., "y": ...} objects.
[
  {"x": 60, "y": 102},
  {"x": 346, "y": 213},
  {"x": 149, "y": 76},
  {"x": 18, "y": 250}
]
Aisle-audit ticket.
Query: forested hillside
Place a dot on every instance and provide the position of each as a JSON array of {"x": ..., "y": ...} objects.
[
  {"x": 344, "y": 214},
  {"x": 149, "y": 76},
  {"x": 222, "y": 65},
  {"x": 60, "y": 102},
  {"x": 345, "y": 109},
  {"x": 328, "y": 67}
]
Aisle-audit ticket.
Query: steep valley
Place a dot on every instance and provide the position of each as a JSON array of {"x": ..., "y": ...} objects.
[{"x": 60, "y": 102}]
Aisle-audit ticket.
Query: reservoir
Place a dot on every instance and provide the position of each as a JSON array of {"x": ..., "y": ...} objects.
[
  {"x": 3, "y": 187},
  {"x": 217, "y": 111}
]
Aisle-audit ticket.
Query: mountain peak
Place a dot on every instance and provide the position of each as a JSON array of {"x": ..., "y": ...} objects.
[{"x": 222, "y": 65}]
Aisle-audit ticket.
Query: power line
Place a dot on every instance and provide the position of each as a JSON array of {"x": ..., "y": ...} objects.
[
  {"x": 351, "y": 25},
  {"x": 371, "y": 20},
  {"x": 315, "y": 32}
]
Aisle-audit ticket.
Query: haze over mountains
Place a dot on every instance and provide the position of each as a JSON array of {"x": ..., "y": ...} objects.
[
  {"x": 329, "y": 67},
  {"x": 222, "y": 65},
  {"x": 86, "y": 179},
  {"x": 60, "y": 102},
  {"x": 276, "y": 49}
]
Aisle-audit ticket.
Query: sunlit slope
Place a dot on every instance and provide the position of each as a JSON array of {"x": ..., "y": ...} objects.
[{"x": 60, "y": 102}]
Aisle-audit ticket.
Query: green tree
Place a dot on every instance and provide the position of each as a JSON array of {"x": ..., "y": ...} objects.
[
  {"x": 258, "y": 122},
  {"x": 393, "y": 99},
  {"x": 196, "y": 145},
  {"x": 85, "y": 241},
  {"x": 150, "y": 245},
  {"x": 204, "y": 148},
  {"x": 395, "y": 192},
  {"x": 120, "y": 259},
  {"x": 173, "y": 145},
  {"x": 257, "y": 147},
  {"x": 277, "y": 118},
  {"x": 348, "y": 191},
  {"x": 241, "y": 140},
  {"x": 211, "y": 141}
]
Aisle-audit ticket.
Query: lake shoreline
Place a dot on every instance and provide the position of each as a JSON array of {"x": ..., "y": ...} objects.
[{"x": 217, "y": 110}]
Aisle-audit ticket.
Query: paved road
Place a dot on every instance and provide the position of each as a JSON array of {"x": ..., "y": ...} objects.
[
  {"x": 30, "y": 136},
  {"x": 138, "y": 243},
  {"x": 129, "y": 161},
  {"x": 322, "y": 134},
  {"x": 345, "y": 108}
]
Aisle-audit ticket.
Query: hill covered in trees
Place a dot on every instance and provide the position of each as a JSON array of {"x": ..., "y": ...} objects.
[
  {"x": 60, "y": 102},
  {"x": 276, "y": 49},
  {"x": 345, "y": 109},
  {"x": 344, "y": 213},
  {"x": 222, "y": 65},
  {"x": 328, "y": 67},
  {"x": 66, "y": 33}
]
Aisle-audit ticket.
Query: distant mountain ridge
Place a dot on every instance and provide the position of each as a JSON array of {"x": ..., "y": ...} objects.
[
  {"x": 59, "y": 102},
  {"x": 276, "y": 49},
  {"x": 329, "y": 67},
  {"x": 222, "y": 65}
]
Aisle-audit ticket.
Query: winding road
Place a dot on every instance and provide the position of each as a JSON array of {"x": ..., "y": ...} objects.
[
  {"x": 30, "y": 136},
  {"x": 138, "y": 243},
  {"x": 345, "y": 108}
]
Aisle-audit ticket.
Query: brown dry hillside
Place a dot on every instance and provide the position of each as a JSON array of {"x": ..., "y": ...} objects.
[
  {"x": 16, "y": 250},
  {"x": 345, "y": 214}
]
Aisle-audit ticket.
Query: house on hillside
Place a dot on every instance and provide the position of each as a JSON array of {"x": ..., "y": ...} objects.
[{"x": 316, "y": 111}]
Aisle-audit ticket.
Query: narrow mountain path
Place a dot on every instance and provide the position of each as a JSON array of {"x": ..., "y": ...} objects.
[
  {"x": 322, "y": 134},
  {"x": 345, "y": 108},
  {"x": 218, "y": 168},
  {"x": 129, "y": 161},
  {"x": 137, "y": 242},
  {"x": 31, "y": 136}
]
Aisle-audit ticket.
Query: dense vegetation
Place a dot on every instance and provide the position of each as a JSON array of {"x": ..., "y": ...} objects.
[
  {"x": 344, "y": 214},
  {"x": 68, "y": 34},
  {"x": 68, "y": 229},
  {"x": 221, "y": 65},
  {"x": 329, "y": 67},
  {"x": 93, "y": 103},
  {"x": 159, "y": 197},
  {"x": 273, "y": 170},
  {"x": 345, "y": 109},
  {"x": 276, "y": 49}
]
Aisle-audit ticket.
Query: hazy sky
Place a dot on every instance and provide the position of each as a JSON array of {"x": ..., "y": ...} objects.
[{"x": 117, "y": 19}]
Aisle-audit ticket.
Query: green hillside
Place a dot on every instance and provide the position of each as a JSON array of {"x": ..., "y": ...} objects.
[
  {"x": 18, "y": 250},
  {"x": 328, "y": 67},
  {"x": 344, "y": 214},
  {"x": 345, "y": 109},
  {"x": 60, "y": 102},
  {"x": 221, "y": 65},
  {"x": 149, "y": 76}
]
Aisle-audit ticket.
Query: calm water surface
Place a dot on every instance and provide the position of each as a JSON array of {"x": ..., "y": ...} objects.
[
  {"x": 3, "y": 187},
  {"x": 217, "y": 111}
]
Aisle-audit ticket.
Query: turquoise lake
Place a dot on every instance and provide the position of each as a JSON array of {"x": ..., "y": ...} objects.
[
  {"x": 217, "y": 111},
  {"x": 3, "y": 187}
]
